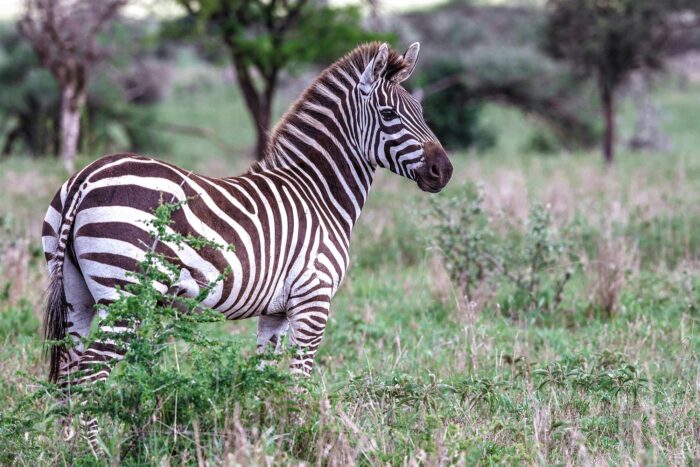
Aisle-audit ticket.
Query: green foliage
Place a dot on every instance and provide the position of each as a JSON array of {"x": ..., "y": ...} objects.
[
  {"x": 30, "y": 101},
  {"x": 452, "y": 114},
  {"x": 609, "y": 38},
  {"x": 272, "y": 36},
  {"x": 464, "y": 237},
  {"x": 527, "y": 271},
  {"x": 113, "y": 123},
  {"x": 608, "y": 375},
  {"x": 536, "y": 265},
  {"x": 29, "y": 98},
  {"x": 543, "y": 142},
  {"x": 472, "y": 55}
]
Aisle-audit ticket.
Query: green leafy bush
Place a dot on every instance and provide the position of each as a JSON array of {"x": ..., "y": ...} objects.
[
  {"x": 526, "y": 267},
  {"x": 176, "y": 389},
  {"x": 464, "y": 237},
  {"x": 453, "y": 114},
  {"x": 173, "y": 374},
  {"x": 30, "y": 101}
]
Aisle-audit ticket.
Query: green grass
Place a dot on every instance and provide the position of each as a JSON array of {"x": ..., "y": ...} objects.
[{"x": 409, "y": 371}]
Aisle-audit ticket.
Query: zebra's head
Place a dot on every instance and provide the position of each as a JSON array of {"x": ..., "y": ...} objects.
[{"x": 393, "y": 131}]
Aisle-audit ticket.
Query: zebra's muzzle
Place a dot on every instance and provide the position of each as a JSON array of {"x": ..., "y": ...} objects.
[{"x": 436, "y": 172}]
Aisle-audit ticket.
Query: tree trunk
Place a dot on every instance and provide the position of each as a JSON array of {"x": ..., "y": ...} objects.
[
  {"x": 258, "y": 102},
  {"x": 262, "y": 127},
  {"x": 10, "y": 141},
  {"x": 607, "y": 97},
  {"x": 72, "y": 102},
  {"x": 260, "y": 108}
]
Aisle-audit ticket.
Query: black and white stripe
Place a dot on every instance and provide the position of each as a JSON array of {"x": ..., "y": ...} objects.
[{"x": 289, "y": 218}]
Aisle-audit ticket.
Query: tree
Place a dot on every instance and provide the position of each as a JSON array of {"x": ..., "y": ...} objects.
[
  {"x": 63, "y": 34},
  {"x": 118, "y": 114},
  {"x": 607, "y": 40},
  {"x": 28, "y": 99},
  {"x": 473, "y": 54},
  {"x": 265, "y": 37},
  {"x": 450, "y": 107}
]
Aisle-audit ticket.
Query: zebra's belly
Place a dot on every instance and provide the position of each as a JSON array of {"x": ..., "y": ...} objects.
[
  {"x": 265, "y": 297},
  {"x": 226, "y": 296}
]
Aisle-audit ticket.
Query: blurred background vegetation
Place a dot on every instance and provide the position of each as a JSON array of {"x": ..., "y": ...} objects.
[
  {"x": 544, "y": 309},
  {"x": 561, "y": 65}
]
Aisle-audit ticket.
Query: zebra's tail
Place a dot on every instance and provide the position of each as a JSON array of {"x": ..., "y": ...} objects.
[
  {"x": 56, "y": 313},
  {"x": 55, "y": 318}
]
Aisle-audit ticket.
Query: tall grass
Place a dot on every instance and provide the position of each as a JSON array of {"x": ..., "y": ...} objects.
[{"x": 410, "y": 371}]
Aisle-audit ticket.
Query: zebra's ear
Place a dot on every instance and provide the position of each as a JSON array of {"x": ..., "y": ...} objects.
[
  {"x": 375, "y": 68},
  {"x": 410, "y": 58}
]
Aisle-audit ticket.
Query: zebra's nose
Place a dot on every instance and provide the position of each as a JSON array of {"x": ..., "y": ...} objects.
[
  {"x": 437, "y": 170},
  {"x": 439, "y": 167}
]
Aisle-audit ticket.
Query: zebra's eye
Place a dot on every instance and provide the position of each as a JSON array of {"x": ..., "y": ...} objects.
[{"x": 388, "y": 114}]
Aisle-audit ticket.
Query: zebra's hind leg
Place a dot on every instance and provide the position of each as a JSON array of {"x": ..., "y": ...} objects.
[
  {"x": 95, "y": 365},
  {"x": 80, "y": 315},
  {"x": 81, "y": 364},
  {"x": 271, "y": 328}
]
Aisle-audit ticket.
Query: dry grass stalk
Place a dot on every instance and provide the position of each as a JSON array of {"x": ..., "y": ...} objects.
[
  {"x": 506, "y": 194},
  {"x": 439, "y": 282},
  {"x": 443, "y": 290},
  {"x": 607, "y": 272},
  {"x": 17, "y": 277},
  {"x": 197, "y": 443},
  {"x": 236, "y": 443}
]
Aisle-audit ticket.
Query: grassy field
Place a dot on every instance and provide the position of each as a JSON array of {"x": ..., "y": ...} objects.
[{"x": 411, "y": 371}]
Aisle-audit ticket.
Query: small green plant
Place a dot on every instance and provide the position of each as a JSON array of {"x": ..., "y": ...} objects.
[
  {"x": 535, "y": 265},
  {"x": 464, "y": 237},
  {"x": 608, "y": 375},
  {"x": 176, "y": 388},
  {"x": 527, "y": 269},
  {"x": 487, "y": 392}
]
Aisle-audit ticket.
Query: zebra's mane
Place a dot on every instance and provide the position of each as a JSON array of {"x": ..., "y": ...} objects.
[{"x": 352, "y": 64}]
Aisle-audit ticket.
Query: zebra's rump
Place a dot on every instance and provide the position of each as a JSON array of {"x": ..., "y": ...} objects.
[{"x": 110, "y": 233}]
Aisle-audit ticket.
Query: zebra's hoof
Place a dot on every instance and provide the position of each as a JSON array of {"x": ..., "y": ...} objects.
[{"x": 68, "y": 432}]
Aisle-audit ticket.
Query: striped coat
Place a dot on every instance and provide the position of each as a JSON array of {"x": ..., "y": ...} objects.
[{"x": 289, "y": 218}]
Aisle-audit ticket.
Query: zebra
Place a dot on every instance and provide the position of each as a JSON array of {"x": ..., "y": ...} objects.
[{"x": 289, "y": 218}]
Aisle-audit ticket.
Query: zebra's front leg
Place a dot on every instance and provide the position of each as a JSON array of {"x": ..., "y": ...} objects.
[{"x": 307, "y": 318}]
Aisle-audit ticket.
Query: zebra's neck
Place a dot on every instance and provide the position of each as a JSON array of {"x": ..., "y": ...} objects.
[{"x": 317, "y": 142}]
